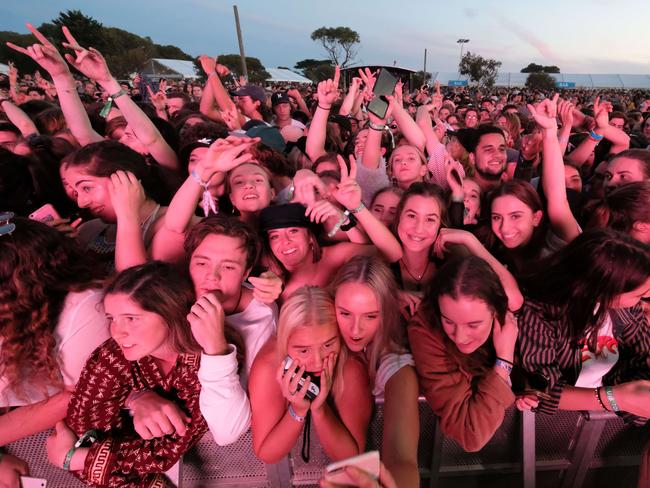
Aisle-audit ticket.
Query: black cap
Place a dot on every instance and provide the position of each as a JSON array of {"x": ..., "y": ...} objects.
[
  {"x": 283, "y": 216},
  {"x": 278, "y": 98},
  {"x": 466, "y": 138}
]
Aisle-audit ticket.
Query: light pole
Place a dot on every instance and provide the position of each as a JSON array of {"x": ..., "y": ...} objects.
[{"x": 462, "y": 42}]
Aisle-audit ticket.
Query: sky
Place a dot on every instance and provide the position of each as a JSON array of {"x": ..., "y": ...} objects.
[{"x": 579, "y": 36}]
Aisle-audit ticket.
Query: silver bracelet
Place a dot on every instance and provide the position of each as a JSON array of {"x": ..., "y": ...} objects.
[
  {"x": 295, "y": 416},
  {"x": 358, "y": 209}
]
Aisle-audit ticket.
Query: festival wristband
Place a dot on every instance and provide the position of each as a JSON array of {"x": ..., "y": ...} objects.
[
  {"x": 338, "y": 225},
  {"x": 600, "y": 400},
  {"x": 500, "y": 363},
  {"x": 609, "y": 393},
  {"x": 380, "y": 128},
  {"x": 358, "y": 209},
  {"x": 91, "y": 436},
  {"x": 295, "y": 416},
  {"x": 595, "y": 137},
  {"x": 109, "y": 103}
]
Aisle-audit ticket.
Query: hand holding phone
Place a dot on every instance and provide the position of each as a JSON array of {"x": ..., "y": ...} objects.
[
  {"x": 384, "y": 86},
  {"x": 313, "y": 389},
  {"x": 46, "y": 213}
]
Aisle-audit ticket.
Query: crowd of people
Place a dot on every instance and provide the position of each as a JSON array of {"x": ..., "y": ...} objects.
[{"x": 221, "y": 257}]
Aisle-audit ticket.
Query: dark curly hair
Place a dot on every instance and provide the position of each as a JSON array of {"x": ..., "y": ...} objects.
[{"x": 39, "y": 266}]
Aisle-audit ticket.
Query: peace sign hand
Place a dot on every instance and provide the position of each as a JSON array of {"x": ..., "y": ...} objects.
[
  {"x": 89, "y": 62},
  {"x": 45, "y": 54},
  {"x": 348, "y": 191}
]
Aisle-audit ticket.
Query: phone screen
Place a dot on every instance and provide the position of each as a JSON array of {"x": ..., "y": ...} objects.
[{"x": 385, "y": 85}]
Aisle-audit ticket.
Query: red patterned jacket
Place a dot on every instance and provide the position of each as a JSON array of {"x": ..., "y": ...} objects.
[{"x": 121, "y": 458}]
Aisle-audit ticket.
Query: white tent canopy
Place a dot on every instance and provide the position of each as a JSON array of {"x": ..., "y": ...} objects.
[
  {"x": 178, "y": 68},
  {"x": 282, "y": 75},
  {"x": 4, "y": 69}
]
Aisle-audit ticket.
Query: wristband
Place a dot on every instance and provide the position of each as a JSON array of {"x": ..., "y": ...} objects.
[
  {"x": 90, "y": 435},
  {"x": 506, "y": 365},
  {"x": 109, "y": 103},
  {"x": 609, "y": 392},
  {"x": 595, "y": 137},
  {"x": 358, "y": 209},
  {"x": 506, "y": 361},
  {"x": 351, "y": 224},
  {"x": 323, "y": 108},
  {"x": 339, "y": 224},
  {"x": 377, "y": 127},
  {"x": 600, "y": 400},
  {"x": 295, "y": 416}
]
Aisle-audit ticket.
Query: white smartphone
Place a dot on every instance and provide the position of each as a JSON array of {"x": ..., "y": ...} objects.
[
  {"x": 29, "y": 482},
  {"x": 368, "y": 462},
  {"x": 314, "y": 385}
]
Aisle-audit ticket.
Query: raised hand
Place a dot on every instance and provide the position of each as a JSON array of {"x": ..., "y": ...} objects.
[
  {"x": 504, "y": 337},
  {"x": 348, "y": 191},
  {"x": 224, "y": 155},
  {"x": 158, "y": 99},
  {"x": 369, "y": 79},
  {"x": 328, "y": 90},
  {"x": 208, "y": 64},
  {"x": 565, "y": 110},
  {"x": 289, "y": 382},
  {"x": 126, "y": 193},
  {"x": 45, "y": 54},
  {"x": 454, "y": 180},
  {"x": 221, "y": 69},
  {"x": 545, "y": 113},
  {"x": 89, "y": 62},
  {"x": 207, "y": 320},
  {"x": 601, "y": 113},
  {"x": 307, "y": 187},
  {"x": 322, "y": 210},
  {"x": 231, "y": 117}
]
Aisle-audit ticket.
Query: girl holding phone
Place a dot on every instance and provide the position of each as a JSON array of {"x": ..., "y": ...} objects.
[{"x": 340, "y": 412}]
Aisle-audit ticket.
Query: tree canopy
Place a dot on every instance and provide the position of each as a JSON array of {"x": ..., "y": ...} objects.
[
  {"x": 538, "y": 68},
  {"x": 256, "y": 71},
  {"x": 340, "y": 43},
  {"x": 540, "y": 81},
  {"x": 316, "y": 69},
  {"x": 480, "y": 70},
  {"x": 124, "y": 51}
]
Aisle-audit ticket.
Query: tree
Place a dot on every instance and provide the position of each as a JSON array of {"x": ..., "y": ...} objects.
[
  {"x": 480, "y": 70},
  {"x": 538, "y": 68},
  {"x": 420, "y": 78},
  {"x": 540, "y": 81},
  {"x": 256, "y": 71},
  {"x": 339, "y": 42},
  {"x": 316, "y": 69}
]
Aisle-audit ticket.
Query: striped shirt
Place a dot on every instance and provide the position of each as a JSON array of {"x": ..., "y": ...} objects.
[{"x": 545, "y": 348}]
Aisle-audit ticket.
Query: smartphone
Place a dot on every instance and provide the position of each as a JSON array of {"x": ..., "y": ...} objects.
[
  {"x": 46, "y": 213},
  {"x": 314, "y": 384},
  {"x": 368, "y": 462},
  {"x": 29, "y": 482},
  {"x": 385, "y": 85}
]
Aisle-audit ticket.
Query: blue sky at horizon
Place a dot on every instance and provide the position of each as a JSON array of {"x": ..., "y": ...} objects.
[{"x": 579, "y": 36}]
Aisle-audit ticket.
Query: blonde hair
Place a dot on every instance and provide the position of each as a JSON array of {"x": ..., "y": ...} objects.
[
  {"x": 309, "y": 306},
  {"x": 375, "y": 274},
  {"x": 423, "y": 160}
]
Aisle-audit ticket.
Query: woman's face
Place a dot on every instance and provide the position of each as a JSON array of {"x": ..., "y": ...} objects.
[
  {"x": 290, "y": 245},
  {"x": 631, "y": 298},
  {"x": 89, "y": 191},
  {"x": 513, "y": 222},
  {"x": 310, "y": 345},
  {"x": 358, "y": 314},
  {"x": 385, "y": 207},
  {"x": 138, "y": 332},
  {"x": 467, "y": 321},
  {"x": 419, "y": 223},
  {"x": 360, "y": 142},
  {"x": 218, "y": 265},
  {"x": 406, "y": 165},
  {"x": 250, "y": 190},
  {"x": 472, "y": 201}
]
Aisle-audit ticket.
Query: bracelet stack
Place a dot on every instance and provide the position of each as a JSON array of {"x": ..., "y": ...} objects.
[{"x": 600, "y": 400}]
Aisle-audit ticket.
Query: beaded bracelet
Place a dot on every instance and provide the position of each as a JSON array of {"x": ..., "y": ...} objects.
[{"x": 600, "y": 400}]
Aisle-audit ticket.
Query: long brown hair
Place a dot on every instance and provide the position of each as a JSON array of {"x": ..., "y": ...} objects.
[
  {"x": 163, "y": 289},
  {"x": 472, "y": 277},
  {"x": 39, "y": 266}
]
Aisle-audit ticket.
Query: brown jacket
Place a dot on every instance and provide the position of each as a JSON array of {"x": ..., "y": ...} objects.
[{"x": 471, "y": 409}]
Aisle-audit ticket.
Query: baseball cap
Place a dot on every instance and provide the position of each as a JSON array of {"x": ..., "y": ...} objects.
[
  {"x": 278, "y": 98},
  {"x": 253, "y": 91}
]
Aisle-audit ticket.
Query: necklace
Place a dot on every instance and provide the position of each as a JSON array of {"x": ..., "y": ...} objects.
[{"x": 419, "y": 277}]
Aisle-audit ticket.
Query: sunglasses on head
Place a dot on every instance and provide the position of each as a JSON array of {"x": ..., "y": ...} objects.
[{"x": 6, "y": 227}]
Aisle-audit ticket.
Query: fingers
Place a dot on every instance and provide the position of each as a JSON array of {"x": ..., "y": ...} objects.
[
  {"x": 342, "y": 166},
  {"x": 353, "y": 167},
  {"x": 337, "y": 75},
  {"x": 68, "y": 35},
  {"x": 18, "y": 48},
  {"x": 41, "y": 38}
]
